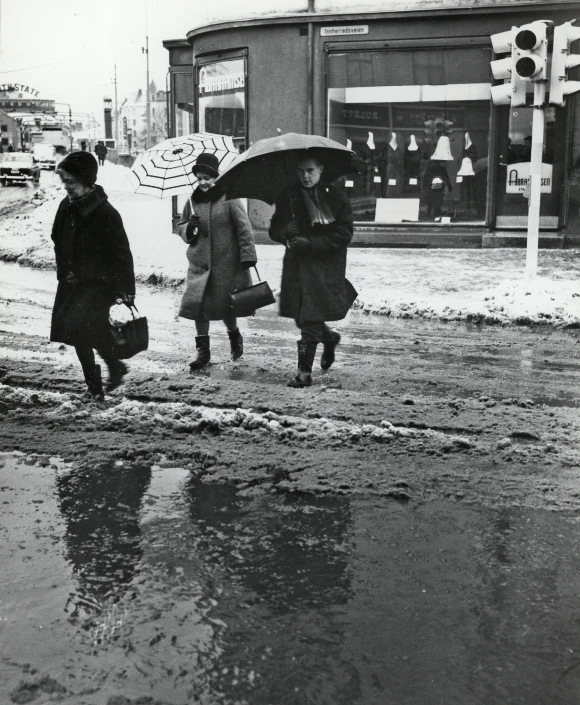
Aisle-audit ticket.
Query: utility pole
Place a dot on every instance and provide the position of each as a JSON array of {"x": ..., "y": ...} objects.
[
  {"x": 116, "y": 115},
  {"x": 148, "y": 99},
  {"x": 148, "y": 137}
]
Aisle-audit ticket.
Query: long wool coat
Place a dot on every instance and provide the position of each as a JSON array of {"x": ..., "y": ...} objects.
[
  {"x": 314, "y": 287},
  {"x": 89, "y": 241},
  {"x": 224, "y": 240}
]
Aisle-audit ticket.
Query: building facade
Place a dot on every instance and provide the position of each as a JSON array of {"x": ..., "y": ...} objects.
[
  {"x": 407, "y": 86},
  {"x": 133, "y": 120}
]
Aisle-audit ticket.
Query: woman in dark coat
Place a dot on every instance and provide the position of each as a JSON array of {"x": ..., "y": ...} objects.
[
  {"x": 94, "y": 268},
  {"x": 314, "y": 222},
  {"x": 221, "y": 250}
]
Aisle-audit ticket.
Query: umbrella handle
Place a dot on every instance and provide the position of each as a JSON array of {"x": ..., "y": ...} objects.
[{"x": 289, "y": 196}]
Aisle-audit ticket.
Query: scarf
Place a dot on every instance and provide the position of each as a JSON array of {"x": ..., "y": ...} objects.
[{"x": 317, "y": 205}]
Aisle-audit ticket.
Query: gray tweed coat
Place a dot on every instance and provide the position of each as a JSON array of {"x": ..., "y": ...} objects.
[{"x": 224, "y": 240}]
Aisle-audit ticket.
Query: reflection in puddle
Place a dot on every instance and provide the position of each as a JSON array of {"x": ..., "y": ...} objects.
[{"x": 187, "y": 592}]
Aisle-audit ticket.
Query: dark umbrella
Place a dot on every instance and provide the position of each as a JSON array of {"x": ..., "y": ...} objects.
[{"x": 269, "y": 165}]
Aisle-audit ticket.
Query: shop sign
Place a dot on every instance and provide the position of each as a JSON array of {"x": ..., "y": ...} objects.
[
  {"x": 518, "y": 176},
  {"x": 344, "y": 31},
  {"x": 210, "y": 81},
  {"x": 18, "y": 88},
  {"x": 381, "y": 115}
]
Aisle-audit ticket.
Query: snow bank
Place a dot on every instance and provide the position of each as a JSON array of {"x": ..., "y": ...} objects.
[
  {"x": 452, "y": 285},
  {"x": 542, "y": 302}
]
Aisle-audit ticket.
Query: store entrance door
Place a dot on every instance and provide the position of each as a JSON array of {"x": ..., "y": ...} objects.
[{"x": 515, "y": 143}]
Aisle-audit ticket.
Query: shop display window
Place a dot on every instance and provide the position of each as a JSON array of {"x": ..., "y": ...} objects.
[
  {"x": 419, "y": 121},
  {"x": 515, "y": 147},
  {"x": 221, "y": 92}
]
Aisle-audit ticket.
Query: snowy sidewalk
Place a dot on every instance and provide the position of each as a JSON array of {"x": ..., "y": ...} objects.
[{"x": 479, "y": 285}]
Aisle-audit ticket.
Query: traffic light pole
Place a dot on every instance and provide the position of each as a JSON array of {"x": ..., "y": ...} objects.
[{"x": 535, "y": 183}]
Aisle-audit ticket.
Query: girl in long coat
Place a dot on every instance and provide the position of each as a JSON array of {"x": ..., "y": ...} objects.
[
  {"x": 314, "y": 222},
  {"x": 221, "y": 250},
  {"x": 94, "y": 268}
]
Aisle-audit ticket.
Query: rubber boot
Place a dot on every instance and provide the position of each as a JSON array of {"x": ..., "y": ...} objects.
[
  {"x": 94, "y": 384},
  {"x": 306, "y": 353},
  {"x": 328, "y": 352},
  {"x": 117, "y": 370},
  {"x": 236, "y": 344},
  {"x": 203, "y": 354}
]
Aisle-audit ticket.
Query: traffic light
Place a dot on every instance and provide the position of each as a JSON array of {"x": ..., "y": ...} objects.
[
  {"x": 513, "y": 91},
  {"x": 562, "y": 60},
  {"x": 530, "y": 52}
]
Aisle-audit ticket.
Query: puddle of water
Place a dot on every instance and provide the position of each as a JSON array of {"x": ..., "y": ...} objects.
[{"x": 136, "y": 581}]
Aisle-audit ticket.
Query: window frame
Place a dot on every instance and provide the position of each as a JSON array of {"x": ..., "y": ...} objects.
[
  {"x": 474, "y": 41},
  {"x": 208, "y": 58}
]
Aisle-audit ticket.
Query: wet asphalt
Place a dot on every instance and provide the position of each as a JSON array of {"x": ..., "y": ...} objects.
[{"x": 133, "y": 583}]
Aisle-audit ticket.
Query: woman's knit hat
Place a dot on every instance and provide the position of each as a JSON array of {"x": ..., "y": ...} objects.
[
  {"x": 208, "y": 163},
  {"x": 82, "y": 165}
]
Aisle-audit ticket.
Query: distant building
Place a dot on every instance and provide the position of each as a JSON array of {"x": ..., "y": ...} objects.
[
  {"x": 133, "y": 119},
  {"x": 9, "y": 132}
]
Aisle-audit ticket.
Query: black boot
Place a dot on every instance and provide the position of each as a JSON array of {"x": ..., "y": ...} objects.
[
  {"x": 94, "y": 384},
  {"x": 236, "y": 344},
  {"x": 203, "y": 354},
  {"x": 306, "y": 353},
  {"x": 117, "y": 370},
  {"x": 327, "y": 357}
]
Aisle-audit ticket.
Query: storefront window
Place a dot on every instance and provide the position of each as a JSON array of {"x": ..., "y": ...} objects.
[
  {"x": 221, "y": 89},
  {"x": 418, "y": 120},
  {"x": 515, "y": 147}
]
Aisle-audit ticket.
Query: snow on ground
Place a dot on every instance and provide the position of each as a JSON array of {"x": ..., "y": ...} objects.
[{"x": 477, "y": 285}]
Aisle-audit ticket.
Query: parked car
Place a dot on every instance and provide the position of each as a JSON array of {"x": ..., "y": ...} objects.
[
  {"x": 44, "y": 155},
  {"x": 18, "y": 167}
]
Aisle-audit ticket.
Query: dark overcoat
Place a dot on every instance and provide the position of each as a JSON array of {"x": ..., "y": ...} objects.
[
  {"x": 223, "y": 241},
  {"x": 89, "y": 241},
  {"x": 314, "y": 287}
]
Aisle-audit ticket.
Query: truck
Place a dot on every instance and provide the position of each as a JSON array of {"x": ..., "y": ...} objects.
[{"x": 44, "y": 155}]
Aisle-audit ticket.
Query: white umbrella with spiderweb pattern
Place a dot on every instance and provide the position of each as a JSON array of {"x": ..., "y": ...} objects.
[{"x": 165, "y": 169}]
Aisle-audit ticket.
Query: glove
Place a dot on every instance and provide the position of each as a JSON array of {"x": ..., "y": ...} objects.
[
  {"x": 71, "y": 278},
  {"x": 292, "y": 229},
  {"x": 248, "y": 264},
  {"x": 127, "y": 299},
  {"x": 300, "y": 244}
]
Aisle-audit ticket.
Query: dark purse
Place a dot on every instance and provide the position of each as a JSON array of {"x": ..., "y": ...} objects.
[
  {"x": 131, "y": 337},
  {"x": 244, "y": 302}
]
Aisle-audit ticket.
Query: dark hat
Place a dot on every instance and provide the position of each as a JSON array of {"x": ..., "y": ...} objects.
[
  {"x": 81, "y": 165},
  {"x": 208, "y": 163}
]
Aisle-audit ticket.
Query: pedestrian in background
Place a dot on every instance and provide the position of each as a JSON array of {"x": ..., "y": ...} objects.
[
  {"x": 221, "y": 250},
  {"x": 94, "y": 268},
  {"x": 314, "y": 222},
  {"x": 101, "y": 152}
]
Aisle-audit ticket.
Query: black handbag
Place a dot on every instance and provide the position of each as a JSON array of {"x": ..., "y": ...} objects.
[
  {"x": 244, "y": 302},
  {"x": 131, "y": 337}
]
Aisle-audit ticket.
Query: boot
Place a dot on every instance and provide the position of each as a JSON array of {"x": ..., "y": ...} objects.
[
  {"x": 117, "y": 370},
  {"x": 236, "y": 344},
  {"x": 203, "y": 354},
  {"x": 306, "y": 353},
  {"x": 327, "y": 357},
  {"x": 94, "y": 384}
]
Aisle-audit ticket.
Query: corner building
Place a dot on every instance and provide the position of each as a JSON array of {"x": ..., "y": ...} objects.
[{"x": 406, "y": 84}]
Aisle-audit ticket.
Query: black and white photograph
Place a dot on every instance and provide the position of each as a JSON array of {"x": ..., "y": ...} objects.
[{"x": 290, "y": 352}]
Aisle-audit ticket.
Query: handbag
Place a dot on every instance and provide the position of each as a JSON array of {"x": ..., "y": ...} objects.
[
  {"x": 131, "y": 337},
  {"x": 245, "y": 301}
]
